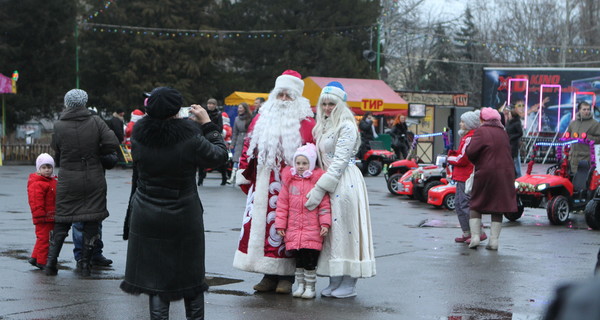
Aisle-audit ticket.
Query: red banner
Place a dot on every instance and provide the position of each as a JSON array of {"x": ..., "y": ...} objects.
[{"x": 6, "y": 84}]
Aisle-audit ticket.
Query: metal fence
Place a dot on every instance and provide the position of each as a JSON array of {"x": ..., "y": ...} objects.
[{"x": 23, "y": 153}]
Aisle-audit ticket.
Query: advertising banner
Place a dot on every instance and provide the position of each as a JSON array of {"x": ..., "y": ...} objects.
[
  {"x": 5, "y": 84},
  {"x": 557, "y": 90}
]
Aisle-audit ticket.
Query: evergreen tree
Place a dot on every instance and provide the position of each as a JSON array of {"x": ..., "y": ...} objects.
[
  {"x": 36, "y": 38},
  {"x": 442, "y": 73}
]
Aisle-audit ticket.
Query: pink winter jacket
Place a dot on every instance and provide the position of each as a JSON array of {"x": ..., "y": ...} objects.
[{"x": 302, "y": 226}]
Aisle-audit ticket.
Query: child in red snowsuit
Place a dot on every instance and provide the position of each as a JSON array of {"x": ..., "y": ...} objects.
[
  {"x": 303, "y": 229},
  {"x": 41, "y": 191}
]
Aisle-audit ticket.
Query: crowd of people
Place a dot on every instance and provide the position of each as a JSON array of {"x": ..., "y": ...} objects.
[{"x": 307, "y": 212}]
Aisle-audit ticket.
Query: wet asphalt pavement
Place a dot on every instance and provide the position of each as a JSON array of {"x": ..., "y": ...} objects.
[{"x": 421, "y": 272}]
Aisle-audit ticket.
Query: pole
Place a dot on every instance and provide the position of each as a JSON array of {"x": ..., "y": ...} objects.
[
  {"x": 378, "y": 51},
  {"x": 76, "y": 55},
  {"x": 3, "y": 119}
]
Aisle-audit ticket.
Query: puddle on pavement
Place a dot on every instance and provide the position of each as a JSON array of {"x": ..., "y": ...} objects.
[
  {"x": 13, "y": 211},
  {"x": 477, "y": 313},
  {"x": 236, "y": 229},
  {"x": 434, "y": 223},
  {"x": 210, "y": 231},
  {"x": 220, "y": 281},
  {"x": 230, "y": 292}
]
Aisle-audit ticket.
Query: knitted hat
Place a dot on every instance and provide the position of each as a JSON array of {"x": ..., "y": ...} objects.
[
  {"x": 335, "y": 88},
  {"x": 164, "y": 102},
  {"x": 211, "y": 100},
  {"x": 43, "y": 159},
  {"x": 310, "y": 152},
  {"x": 75, "y": 98},
  {"x": 290, "y": 79},
  {"x": 471, "y": 120},
  {"x": 488, "y": 114}
]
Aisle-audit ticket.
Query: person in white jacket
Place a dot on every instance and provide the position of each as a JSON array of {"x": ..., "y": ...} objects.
[{"x": 348, "y": 252}]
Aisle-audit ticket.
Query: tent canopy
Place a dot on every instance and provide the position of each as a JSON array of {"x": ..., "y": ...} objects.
[
  {"x": 238, "y": 97},
  {"x": 363, "y": 95}
]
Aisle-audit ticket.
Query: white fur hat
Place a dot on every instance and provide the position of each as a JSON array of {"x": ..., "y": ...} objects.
[
  {"x": 43, "y": 159},
  {"x": 308, "y": 150},
  {"x": 290, "y": 79}
]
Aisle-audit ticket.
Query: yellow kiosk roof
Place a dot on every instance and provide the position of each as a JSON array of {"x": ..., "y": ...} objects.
[
  {"x": 363, "y": 95},
  {"x": 238, "y": 97}
]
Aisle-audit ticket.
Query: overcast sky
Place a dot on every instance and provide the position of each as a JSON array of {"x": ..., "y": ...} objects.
[{"x": 446, "y": 8}]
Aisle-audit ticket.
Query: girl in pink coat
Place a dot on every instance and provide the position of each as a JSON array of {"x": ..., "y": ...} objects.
[{"x": 303, "y": 230}]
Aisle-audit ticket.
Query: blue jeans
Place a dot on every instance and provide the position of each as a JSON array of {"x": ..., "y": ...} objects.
[
  {"x": 78, "y": 241},
  {"x": 517, "y": 161}
]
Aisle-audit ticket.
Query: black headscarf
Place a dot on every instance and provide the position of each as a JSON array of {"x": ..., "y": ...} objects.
[{"x": 164, "y": 102}]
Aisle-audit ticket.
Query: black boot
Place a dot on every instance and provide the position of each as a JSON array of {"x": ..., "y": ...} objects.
[
  {"x": 194, "y": 307},
  {"x": 159, "y": 309},
  {"x": 84, "y": 265},
  {"x": 223, "y": 177},
  {"x": 56, "y": 242}
]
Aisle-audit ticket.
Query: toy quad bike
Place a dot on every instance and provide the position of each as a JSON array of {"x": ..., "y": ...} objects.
[
  {"x": 559, "y": 190},
  {"x": 372, "y": 161}
]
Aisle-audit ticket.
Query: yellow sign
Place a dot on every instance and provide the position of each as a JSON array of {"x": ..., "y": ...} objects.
[{"x": 371, "y": 105}]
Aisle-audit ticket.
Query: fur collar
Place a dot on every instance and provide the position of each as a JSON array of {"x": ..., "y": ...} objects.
[{"x": 156, "y": 133}]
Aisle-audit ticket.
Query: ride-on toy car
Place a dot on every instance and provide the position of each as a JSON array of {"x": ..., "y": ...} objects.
[
  {"x": 442, "y": 195},
  {"x": 372, "y": 161},
  {"x": 559, "y": 189},
  {"x": 397, "y": 169}
]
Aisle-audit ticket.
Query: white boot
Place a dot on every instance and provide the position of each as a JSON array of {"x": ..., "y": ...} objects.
[
  {"x": 494, "y": 235},
  {"x": 346, "y": 289},
  {"x": 300, "y": 281},
  {"x": 310, "y": 276},
  {"x": 475, "y": 226},
  {"x": 231, "y": 180},
  {"x": 334, "y": 283}
]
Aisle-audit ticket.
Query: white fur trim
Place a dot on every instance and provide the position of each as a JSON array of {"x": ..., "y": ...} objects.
[
  {"x": 328, "y": 182},
  {"x": 240, "y": 179},
  {"x": 286, "y": 81},
  {"x": 254, "y": 260},
  {"x": 336, "y": 92}
]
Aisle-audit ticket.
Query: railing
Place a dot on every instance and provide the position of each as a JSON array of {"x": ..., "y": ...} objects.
[{"x": 23, "y": 153}]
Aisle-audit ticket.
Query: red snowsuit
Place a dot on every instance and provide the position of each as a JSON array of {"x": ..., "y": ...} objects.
[{"x": 42, "y": 201}]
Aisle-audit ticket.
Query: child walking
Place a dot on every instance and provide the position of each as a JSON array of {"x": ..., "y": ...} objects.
[
  {"x": 41, "y": 191},
  {"x": 303, "y": 229}
]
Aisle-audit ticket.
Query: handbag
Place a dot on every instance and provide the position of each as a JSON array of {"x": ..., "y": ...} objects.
[{"x": 469, "y": 183}]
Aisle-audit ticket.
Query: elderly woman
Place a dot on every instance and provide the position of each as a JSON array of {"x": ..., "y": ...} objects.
[
  {"x": 165, "y": 254},
  {"x": 80, "y": 138},
  {"x": 493, "y": 190},
  {"x": 348, "y": 251},
  {"x": 461, "y": 171}
]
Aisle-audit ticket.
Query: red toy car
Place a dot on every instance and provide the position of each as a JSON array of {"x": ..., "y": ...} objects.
[{"x": 442, "y": 196}]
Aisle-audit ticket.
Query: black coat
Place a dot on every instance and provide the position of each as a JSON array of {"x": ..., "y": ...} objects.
[
  {"x": 514, "y": 129},
  {"x": 80, "y": 139},
  {"x": 165, "y": 254},
  {"x": 117, "y": 126}
]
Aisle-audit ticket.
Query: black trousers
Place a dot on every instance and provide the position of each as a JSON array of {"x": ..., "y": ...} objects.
[{"x": 307, "y": 258}]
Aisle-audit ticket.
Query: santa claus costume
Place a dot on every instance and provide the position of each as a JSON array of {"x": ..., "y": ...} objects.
[{"x": 283, "y": 124}]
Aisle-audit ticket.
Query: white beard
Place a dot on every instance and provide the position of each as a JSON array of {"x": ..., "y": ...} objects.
[{"x": 276, "y": 134}]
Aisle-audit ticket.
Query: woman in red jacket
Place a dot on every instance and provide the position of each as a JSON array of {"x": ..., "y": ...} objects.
[
  {"x": 41, "y": 191},
  {"x": 462, "y": 169}
]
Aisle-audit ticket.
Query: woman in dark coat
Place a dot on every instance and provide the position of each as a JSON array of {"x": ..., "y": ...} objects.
[
  {"x": 514, "y": 128},
  {"x": 399, "y": 139},
  {"x": 80, "y": 138},
  {"x": 493, "y": 188},
  {"x": 165, "y": 254},
  {"x": 240, "y": 128}
]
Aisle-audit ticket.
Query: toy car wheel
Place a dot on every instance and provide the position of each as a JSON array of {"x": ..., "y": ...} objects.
[
  {"x": 449, "y": 201},
  {"x": 374, "y": 167},
  {"x": 394, "y": 184},
  {"x": 592, "y": 215},
  {"x": 558, "y": 210},
  {"x": 428, "y": 187}
]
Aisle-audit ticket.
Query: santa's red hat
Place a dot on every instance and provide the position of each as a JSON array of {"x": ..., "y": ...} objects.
[{"x": 291, "y": 80}]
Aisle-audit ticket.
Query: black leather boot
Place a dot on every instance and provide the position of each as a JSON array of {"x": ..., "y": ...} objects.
[
  {"x": 56, "y": 242},
  {"x": 159, "y": 309},
  {"x": 194, "y": 307},
  {"x": 85, "y": 264}
]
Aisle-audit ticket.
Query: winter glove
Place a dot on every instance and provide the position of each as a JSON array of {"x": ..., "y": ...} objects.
[{"x": 315, "y": 196}]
